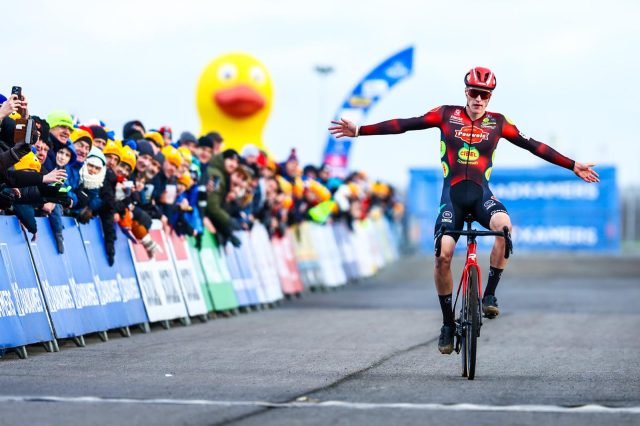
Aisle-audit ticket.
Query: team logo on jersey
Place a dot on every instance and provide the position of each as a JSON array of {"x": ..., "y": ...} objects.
[
  {"x": 471, "y": 134},
  {"x": 488, "y": 122},
  {"x": 443, "y": 149},
  {"x": 455, "y": 117},
  {"x": 487, "y": 173},
  {"x": 445, "y": 169},
  {"x": 468, "y": 154}
]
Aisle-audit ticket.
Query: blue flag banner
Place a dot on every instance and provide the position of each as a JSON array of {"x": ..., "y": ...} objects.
[
  {"x": 120, "y": 298},
  {"x": 550, "y": 208},
  {"x": 23, "y": 316},
  {"x": 367, "y": 93}
]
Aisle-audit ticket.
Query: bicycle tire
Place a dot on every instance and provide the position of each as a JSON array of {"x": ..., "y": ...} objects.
[
  {"x": 463, "y": 339},
  {"x": 473, "y": 322}
]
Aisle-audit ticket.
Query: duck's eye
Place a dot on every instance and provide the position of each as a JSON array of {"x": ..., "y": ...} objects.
[
  {"x": 227, "y": 72},
  {"x": 257, "y": 75}
]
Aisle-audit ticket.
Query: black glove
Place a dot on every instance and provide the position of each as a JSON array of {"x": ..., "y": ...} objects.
[
  {"x": 235, "y": 241},
  {"x": 6, "y": 198},
  {"x": 83, "y": 198},
  {"x": 198, "y": 239},
  {"x": 61, "y": 198},
  {"x": 21, "y": 149},
  {"x": 111, "y": 254}
]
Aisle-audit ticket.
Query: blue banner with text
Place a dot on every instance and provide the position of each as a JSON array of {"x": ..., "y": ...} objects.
[
  {"x": 550, "y": 208},
  {"x": 23, "y": 317}
]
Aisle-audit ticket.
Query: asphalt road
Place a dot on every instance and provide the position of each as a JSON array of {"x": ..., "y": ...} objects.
[{"x": 565, "y": 351}]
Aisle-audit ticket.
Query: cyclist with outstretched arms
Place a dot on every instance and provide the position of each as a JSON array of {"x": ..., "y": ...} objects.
[{"x": 469, "y": 136}]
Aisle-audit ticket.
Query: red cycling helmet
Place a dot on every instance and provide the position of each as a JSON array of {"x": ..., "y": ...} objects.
[{"x": 482, "y": 78}]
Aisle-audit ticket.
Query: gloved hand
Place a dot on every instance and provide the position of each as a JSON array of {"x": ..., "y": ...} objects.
[
  {"x": 61, "y": 198},
  {"x": 111, "y": 252},
  {"x": 85, "y": 215},
  {"x": 21, "y": 149},
  {"x": 235, "y": 241}
]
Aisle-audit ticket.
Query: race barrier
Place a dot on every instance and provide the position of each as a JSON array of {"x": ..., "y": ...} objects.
[
  {"x": 286, "y": 265},
  {"x": 23, "y": 317},
  {"x": 67, "y": 283},
  {"x": 550, "y": 208},
  {"x": 118, "y": 294},
  {"x": 185, "y": 268},
  {"x": 158, "y": 280},
  {"x": 306, "y": 255},
  {"x": 263, "y": 263},
  {"x": 46, "y": 296},
  {"x": 217, "y": 275}
]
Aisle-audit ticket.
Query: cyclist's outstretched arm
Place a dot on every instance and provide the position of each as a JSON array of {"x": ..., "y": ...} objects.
[
  {"x": 346, "y": 128},
  {"x": 544, "y": 151}
]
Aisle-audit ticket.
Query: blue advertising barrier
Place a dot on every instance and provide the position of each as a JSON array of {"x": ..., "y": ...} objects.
[
  {"x": 23, "y": 317},
  {"x": 550, "y": 208},
  {"x": 58, "y": 285},
  {"x": 119, "y": 296}
]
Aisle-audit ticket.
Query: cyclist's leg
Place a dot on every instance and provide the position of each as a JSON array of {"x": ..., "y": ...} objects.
[
  {"x": 493, "y": 215},
  {"x": 451, "y": 217}
]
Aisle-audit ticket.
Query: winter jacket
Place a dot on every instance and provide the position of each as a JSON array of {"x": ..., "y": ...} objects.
[{"x": 216, "y": 199}]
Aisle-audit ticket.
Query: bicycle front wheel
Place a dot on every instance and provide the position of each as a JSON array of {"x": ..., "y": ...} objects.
[{"x": 472, "y": 321}]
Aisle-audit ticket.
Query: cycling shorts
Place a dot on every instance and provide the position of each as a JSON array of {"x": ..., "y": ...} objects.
[{"x": 466, "y": 197}]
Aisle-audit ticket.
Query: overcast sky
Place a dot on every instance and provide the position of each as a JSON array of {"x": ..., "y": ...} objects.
[{"x": 565, "y": 69}]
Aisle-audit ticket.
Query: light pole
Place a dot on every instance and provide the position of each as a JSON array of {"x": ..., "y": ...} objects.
[{"x": 323, "y": 71}]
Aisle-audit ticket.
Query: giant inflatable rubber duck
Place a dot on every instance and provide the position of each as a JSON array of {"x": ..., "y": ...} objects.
[{"x": 234, "y": 98}]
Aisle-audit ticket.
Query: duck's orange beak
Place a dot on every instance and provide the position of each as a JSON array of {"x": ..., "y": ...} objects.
[{"x": 239, "y": 101}]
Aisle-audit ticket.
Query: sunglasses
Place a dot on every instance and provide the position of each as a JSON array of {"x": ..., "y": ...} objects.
[{"x": 474, "y": 93}]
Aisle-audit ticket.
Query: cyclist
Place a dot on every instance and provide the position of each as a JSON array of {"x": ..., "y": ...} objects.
[{"x": 469, "y": 136}]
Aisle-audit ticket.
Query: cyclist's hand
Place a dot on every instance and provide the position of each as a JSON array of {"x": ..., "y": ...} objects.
[
  {"x": 343, "y": 128},
  {"x": 586, "y": 172}
]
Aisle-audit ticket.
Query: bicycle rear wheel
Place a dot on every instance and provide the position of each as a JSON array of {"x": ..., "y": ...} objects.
[{"x": 472, "y": 321}]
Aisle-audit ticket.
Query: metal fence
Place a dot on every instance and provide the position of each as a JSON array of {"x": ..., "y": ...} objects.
[{"x": 630, "y": 209}]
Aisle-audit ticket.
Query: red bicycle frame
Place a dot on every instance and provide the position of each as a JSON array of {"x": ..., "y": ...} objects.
[{"x": 470, "y": 263}]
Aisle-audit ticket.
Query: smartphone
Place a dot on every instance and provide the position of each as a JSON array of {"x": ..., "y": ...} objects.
[{"x": 17, "y": 90}]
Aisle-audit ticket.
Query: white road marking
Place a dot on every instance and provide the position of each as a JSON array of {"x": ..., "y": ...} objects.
[{"x": 522, "y": 408}]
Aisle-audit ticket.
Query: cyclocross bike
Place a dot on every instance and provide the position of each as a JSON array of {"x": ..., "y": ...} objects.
[{"x": 470, "y": 320}]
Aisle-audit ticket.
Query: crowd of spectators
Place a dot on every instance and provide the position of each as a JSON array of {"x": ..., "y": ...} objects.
[{"x": 66, "y": 167}]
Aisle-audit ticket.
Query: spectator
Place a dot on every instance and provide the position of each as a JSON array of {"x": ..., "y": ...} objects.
[{"x": 220, "y": 169}]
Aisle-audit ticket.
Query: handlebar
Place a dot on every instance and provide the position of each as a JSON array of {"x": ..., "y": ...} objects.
[{"x": 508, "y": 247}]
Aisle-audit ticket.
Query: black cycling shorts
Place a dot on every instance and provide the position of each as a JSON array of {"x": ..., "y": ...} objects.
[{"x": 464, "y": 198}]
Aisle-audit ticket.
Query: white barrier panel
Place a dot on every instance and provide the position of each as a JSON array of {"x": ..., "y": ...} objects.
[
  {"x": 265, "y": 262},
  {"x": 374, "y": 243},
  {"x": 326, "y": 248},
  {"x": 363, "y": 250},
  {"x": 158, "y": 279},
  {"x": 246, "y": 260},
  {"x": 347, "y": 249},
  {"x": 186, "y": 273}
]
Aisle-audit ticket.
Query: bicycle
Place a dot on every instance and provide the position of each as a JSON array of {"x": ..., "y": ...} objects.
[{"x": 469, "y": 322}]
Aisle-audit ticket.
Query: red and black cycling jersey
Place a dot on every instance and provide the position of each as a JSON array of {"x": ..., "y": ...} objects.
[{"x": 467, "y": 146}]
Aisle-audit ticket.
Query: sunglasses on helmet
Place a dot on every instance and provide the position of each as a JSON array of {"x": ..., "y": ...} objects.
[{"x": 474, "y": 93}]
